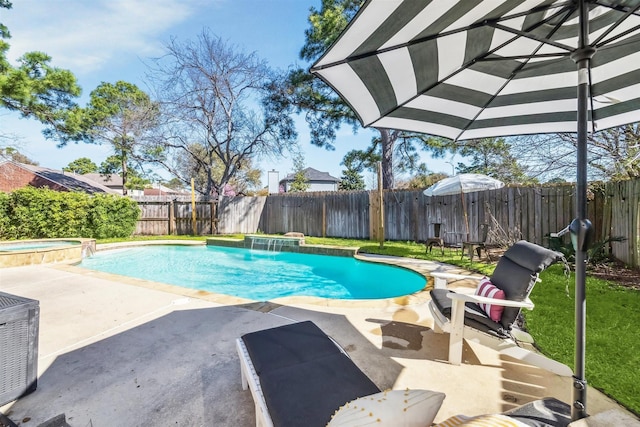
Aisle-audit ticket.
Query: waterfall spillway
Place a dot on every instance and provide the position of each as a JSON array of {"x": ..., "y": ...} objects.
[{"x": 273, "y": 244}]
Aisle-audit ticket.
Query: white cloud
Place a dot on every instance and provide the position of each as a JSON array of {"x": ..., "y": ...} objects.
[{"x": 84, "y": 36}]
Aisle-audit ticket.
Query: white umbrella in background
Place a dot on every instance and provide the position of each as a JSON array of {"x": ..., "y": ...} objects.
[
  {"x": 466, "y": 69},
  {"x": 463, "y": 183}
]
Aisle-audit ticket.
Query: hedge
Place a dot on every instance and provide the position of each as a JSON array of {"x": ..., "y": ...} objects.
[{"x": 36, "y": 213}]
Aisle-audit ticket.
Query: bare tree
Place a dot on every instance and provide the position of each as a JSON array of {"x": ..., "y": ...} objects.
[
  {"x": 613, "y": 154},
  {"x": 245, "y": 181},
  {"x": 216, "y": 115}
]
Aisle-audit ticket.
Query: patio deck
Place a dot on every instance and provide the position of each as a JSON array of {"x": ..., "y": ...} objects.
[{"x": 117, "y": 351}]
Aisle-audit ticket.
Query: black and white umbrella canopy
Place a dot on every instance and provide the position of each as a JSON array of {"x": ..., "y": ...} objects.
[
  {"x": 466, "y": 69},
  {"x": 470, "y": 69}
]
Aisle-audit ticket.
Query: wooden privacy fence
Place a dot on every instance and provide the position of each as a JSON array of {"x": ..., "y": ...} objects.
[
  {"x": 240, "y": 214},
  {"x": 328, "y": 214},
  {"x": 529, "y": 213},
  {"x": 173, "y": 217}
]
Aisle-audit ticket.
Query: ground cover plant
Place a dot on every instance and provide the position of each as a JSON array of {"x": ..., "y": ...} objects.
[{"x": 613, "y": 314}]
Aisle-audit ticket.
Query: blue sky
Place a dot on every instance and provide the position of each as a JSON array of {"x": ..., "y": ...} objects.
[{"x": 110, "y": 40}]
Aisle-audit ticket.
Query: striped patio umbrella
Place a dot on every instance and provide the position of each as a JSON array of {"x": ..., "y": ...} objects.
[{"x": 466, "y": 69}]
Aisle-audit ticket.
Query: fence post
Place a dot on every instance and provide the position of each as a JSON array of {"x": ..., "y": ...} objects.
[
  {"x": 194, "y": 226},
  {"x": 415, "y": 217},
  {"x": 172, "y": 218},
  {"x": 324, "y": 216},
  {"x": 214, "y": 224},
  {"x": 381, "y": 211}
]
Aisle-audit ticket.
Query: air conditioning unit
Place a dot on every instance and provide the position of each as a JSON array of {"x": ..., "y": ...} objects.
[{"x": 19, "y": 328}]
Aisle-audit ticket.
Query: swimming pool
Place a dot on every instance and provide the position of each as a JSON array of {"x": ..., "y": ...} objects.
[{"x": 256, "y": 274}]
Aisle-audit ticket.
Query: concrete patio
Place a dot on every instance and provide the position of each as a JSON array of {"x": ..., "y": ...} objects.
[{"x": 119, "y": 351}]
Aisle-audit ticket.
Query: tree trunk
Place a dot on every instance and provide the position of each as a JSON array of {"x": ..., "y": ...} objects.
[
  {"x": 124, "y": 173},
  {"x": 387, "y": 158}
]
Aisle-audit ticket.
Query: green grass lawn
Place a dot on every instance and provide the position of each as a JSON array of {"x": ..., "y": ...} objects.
[
  {"x": 613, "y": 316},
  {"x": 613, "y": 338}
]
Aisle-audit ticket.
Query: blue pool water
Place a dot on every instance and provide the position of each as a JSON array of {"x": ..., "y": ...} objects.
[
  {"x": 258, "y": 275},
  {"x": 9, "y": 246}
]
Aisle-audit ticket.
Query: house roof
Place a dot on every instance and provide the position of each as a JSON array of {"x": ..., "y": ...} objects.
[
  {"x": 70, "y": 181},
  {"x": 112, "y": 180},
  {"x": 312, "y": 175},
  {"x": 159, "y": 189}
]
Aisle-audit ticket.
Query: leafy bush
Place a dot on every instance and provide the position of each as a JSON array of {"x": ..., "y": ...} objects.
[
  {"x": 598, "y": 252},
  {"x": 4, "y": 216},
  {"x": 43, "y": 213},
  {"x": 112, "y": 216},
  {"x": 34, "y": 213}
]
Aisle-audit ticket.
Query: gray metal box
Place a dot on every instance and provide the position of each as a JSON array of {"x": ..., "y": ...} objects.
[{"x": 19, "y": 328}]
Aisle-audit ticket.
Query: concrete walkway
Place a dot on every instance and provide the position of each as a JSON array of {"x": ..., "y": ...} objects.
[{"x": 119, "y": 351}]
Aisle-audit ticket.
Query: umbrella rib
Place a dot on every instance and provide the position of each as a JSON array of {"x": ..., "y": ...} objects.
[
  {"x": 521, "y": 57},
  {"x": 618, "y": 8},
  {"x": 567, "y": 11},
  {"x": 612, "y": 39},
  {"x": 561, "y": 6},
  {"x": 533, "y": 37},
  {"x": 628, "y": 13},
  {"x": 599, "y": 42}
]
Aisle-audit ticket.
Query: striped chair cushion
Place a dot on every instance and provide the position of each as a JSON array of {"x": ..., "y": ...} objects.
[{"x": 487, "y": 289}]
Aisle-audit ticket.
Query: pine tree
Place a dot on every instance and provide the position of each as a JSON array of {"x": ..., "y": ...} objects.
[{"x": 300, "y": 182}]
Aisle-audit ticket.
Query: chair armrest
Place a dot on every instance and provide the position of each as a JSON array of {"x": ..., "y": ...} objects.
[
  {"x": 455, "y": 276},
  {"x": 527, "y": 303}
]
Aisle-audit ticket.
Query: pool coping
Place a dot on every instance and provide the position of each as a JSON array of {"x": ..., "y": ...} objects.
[{"x": 422, "y": 267}]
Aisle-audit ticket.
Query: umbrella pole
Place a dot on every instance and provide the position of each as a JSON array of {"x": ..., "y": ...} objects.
[
  {"x": 466, "y": 216},
  {"x": 381, "y": 203},
  {"x": 582, "y": 56}
]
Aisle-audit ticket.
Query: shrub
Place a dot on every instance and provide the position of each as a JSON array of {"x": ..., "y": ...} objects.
[
  {"x": 34, "y": 213},
  {"x": 599, "y": 251},
  {"x": 113, "y": 216},
  {"x": 4, "y": 215},
  {"x": 42, "y": 213}
]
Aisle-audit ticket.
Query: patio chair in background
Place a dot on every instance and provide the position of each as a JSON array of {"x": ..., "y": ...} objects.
[
  {"x": 437, "y": 240},
  {"x": 478, "y": 245},
  {"x": 489, "y": 316}
]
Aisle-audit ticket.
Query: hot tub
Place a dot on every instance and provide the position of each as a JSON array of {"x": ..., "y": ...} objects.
[{"x": 16, "y": 253}]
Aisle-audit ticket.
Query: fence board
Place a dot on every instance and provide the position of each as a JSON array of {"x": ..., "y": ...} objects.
[
  {"x": 374, "y": 212},
  {"x": 530, "y": 221},
  {"x": 240, "y": 214},
  {"x": 154, "y": 218},
  {"x": 513, "y": 212},
  {"x": 346, "y": 215},
  {"x": 184, "y": 218}
]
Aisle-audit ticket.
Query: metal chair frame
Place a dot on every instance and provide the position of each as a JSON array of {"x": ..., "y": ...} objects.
[{"x": 437, "y": 240}]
